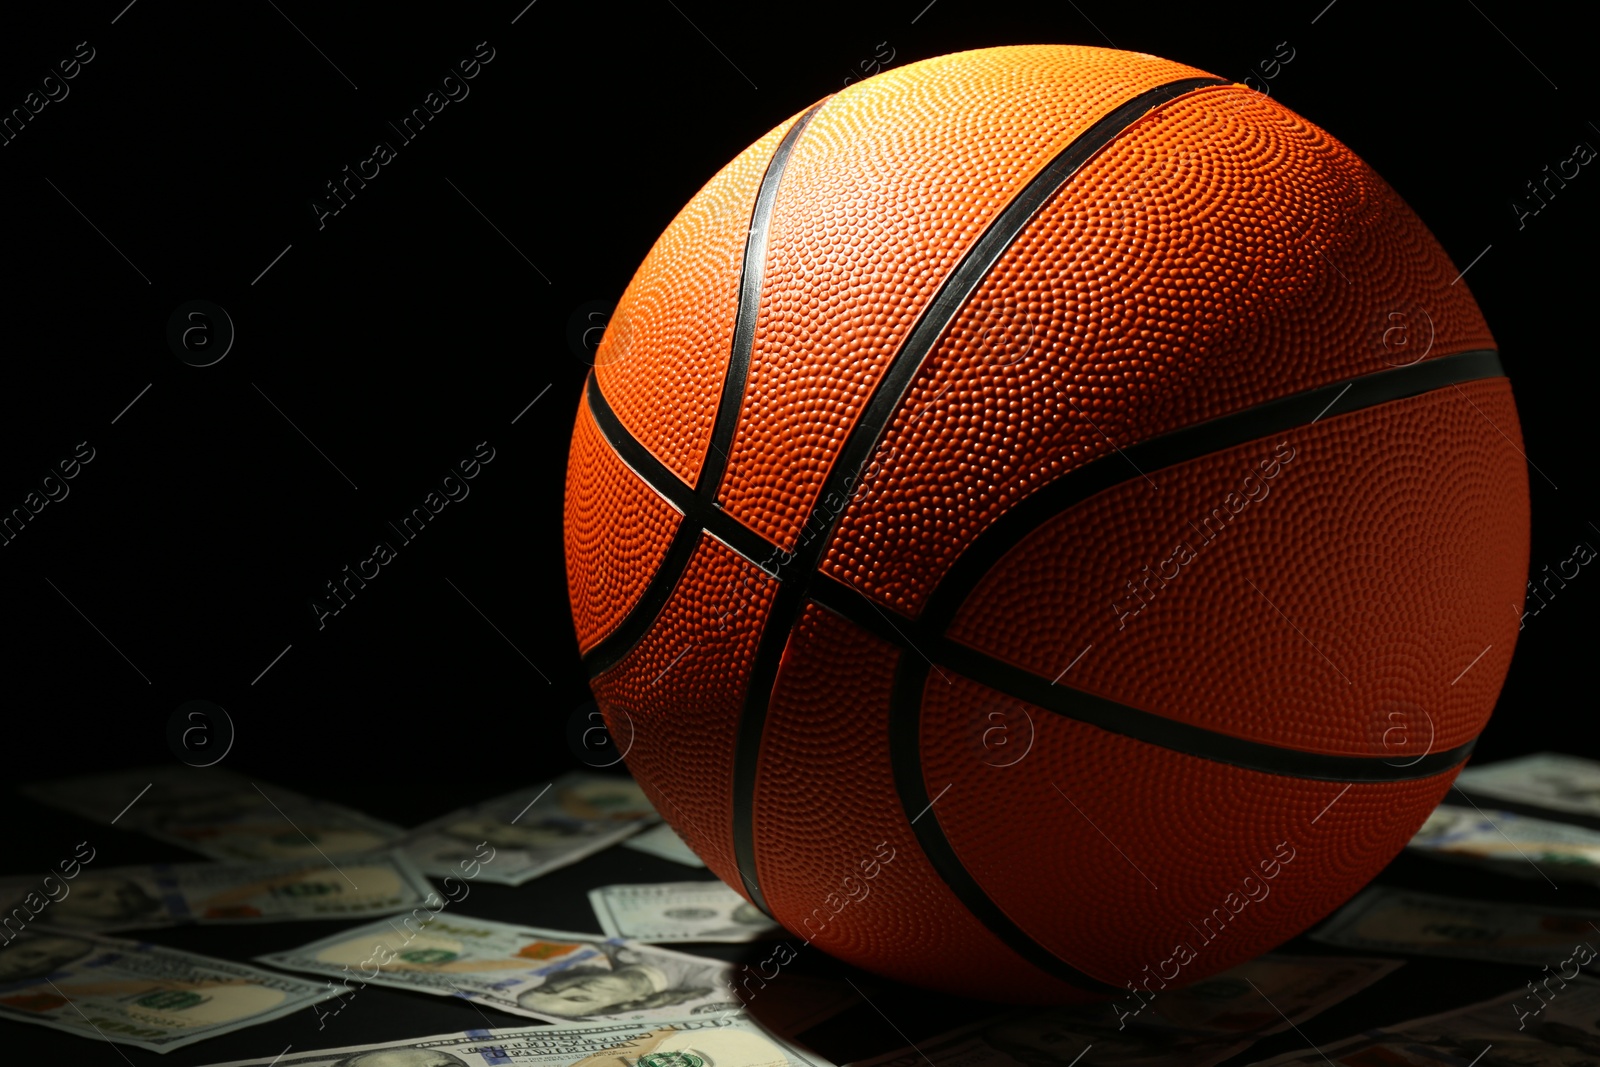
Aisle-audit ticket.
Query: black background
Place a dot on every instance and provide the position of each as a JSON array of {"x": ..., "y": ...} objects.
[{"x": 420, "y": 320}]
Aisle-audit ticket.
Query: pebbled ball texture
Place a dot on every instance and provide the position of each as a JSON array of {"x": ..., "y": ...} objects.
[
  {"x": 611, "y": 554},
  {"x": 1221, "y": 253},
  {"x": 868, "y": 770},
  {"x": 830, "y": 710},
  {"x": 894, "y": 179},
  {"x": 1303, "y": 575},
  {"x": 675, "y": 320},
  {"x": 672, "y": 704}
]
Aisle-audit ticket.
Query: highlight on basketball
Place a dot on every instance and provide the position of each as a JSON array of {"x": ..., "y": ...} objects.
[{"x": 992, "y": 467}]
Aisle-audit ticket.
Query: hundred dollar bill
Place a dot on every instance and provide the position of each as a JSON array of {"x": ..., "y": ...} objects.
[
  {"x": 679, "y": 911},
  {"x": 662, "y": 840},
  {"x": 1546, "y": 779},
  {"x": 1514, "y": 1030},
  {"x": 702, "y": 1041},
  {"x": 524, "y": 970},
  {"x": 1511, "y": 844},
  {"x": 1198, "y": 1025},
  {"x": 138, "y": 994},
  {"x": 1398, "y": 920},
  {"x": 217, "y": 813},
  {"x": 172, "y": 894},
  {"x": 533, "y": 831}
]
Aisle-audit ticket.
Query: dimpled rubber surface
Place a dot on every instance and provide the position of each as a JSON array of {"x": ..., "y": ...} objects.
[
  {"x": 1188, "y": 830},
  {"x": 1217, "y": 253},
  {"x": 891, "y": 182},
  {"x": 674, "y": 323},
  {"x": 672, "y": 704},
  {"x": 825, "y": 792},
  {"x": 611, "y": 551},
  {"x": 1385, "y": 554},
  {"x": 1221, "y": 253}
]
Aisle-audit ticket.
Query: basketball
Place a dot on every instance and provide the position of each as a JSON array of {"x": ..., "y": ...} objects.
[{"x": 1046, "y": 524}]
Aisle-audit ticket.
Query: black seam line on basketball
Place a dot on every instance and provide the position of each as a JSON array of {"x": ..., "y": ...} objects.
[
  {"x": 697, "y": 504},
  {"x": 946, "y": 653},
  {"x": 698, "y": 516},
  {"x": 795, "y": 569},
  {"x": 751, "y": 275},
  {"x": 1180, "y": 446},
  {"x": 905, "y": 759}
]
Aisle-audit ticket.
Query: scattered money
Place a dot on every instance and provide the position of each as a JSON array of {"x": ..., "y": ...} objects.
[
  {"x": 172, "y": 894},
  {"x": 137, "y": 994},
  {"x": 1512, "y": 844},
  {"x": 524, "y": 970},
  {"x": 694, "y": 1042},
  {"x": 1502, "y": 1032},
  {"x": 1546, "y": 779},
  {"x": 679, "y": 911},
  {"x": 1199, "y": 1025},
  {"x": 662, "y": 840},
  {"x": 533, "y": 831},
  {"x": 1398, "y": 920},
  {"x": 217, "y": 813}
]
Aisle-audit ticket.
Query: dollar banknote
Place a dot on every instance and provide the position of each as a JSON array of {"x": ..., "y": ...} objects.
[
  {"x": 679, "y": 911},
  {"x": 524, "y": 970},
  {"x": 173, "y": 894},
  {"x": 701, "y": 1041},
  {"x": 1197, "y": 1026},
  {"x": 1546, "y": 779},
  {"x": 217, "y": 813},
  {"x": 1513, "y": 1030},
  {"x": 1383, "y": 919},
  {"x": 1511, "y": 844},
  {"x": 138, "y": 994},
  {"x": 532, "y": 831},
  {"x": 662, "y": 840}
]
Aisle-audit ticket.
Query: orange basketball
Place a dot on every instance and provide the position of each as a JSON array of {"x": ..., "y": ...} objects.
[{"x": 1046, "y": 523}]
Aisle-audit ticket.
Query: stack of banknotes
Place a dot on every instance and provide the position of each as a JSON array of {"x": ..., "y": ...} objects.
[{"x": 1469, "y": 827}]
